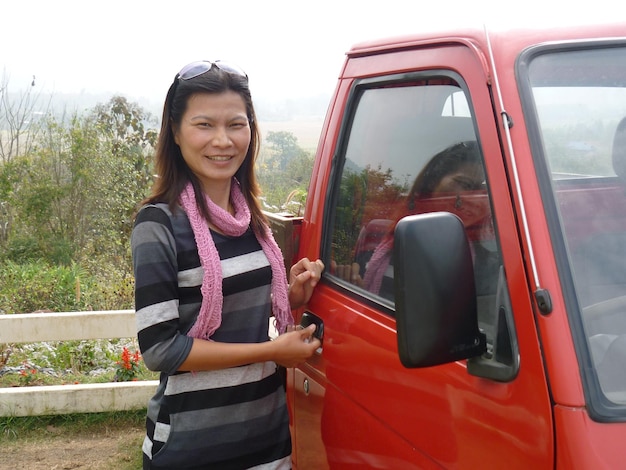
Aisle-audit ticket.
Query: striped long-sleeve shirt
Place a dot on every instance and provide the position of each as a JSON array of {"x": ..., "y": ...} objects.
[{"x": 233, "y": 418}]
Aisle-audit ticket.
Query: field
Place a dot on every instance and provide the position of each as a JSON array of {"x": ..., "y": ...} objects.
[{"x": 307, "y": 130}]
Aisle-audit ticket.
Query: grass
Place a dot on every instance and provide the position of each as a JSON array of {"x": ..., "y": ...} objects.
[
  {"x": 79, "y": 424},
  {"x": 36, "y": 431}
]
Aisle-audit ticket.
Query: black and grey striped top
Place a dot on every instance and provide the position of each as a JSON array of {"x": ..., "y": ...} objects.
[{"x": 228, "y": 419}]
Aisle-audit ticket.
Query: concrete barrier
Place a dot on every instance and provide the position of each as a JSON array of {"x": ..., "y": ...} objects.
[
  {"x": 75, "y": 398},
  {"x": 65, "y": 326}
]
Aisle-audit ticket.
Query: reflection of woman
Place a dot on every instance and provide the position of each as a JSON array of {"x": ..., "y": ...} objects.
[
  {"x": 455, "y": 169},
  {"x": 442, "y": 182}
]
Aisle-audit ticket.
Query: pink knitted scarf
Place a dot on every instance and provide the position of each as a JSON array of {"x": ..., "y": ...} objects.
[
  {"x": 210, "y": 316},
  {"x": 377, "y": 265}
]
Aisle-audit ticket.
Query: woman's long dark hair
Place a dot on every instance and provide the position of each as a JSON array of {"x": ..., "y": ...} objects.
[
  {"x": 444, "y": 163},
  {"x": 172, "y": 170}
]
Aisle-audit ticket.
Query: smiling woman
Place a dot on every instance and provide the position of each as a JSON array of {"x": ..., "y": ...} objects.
[
  {"x": 214, "y": 137},
  {"x": 209, "y": 276}
]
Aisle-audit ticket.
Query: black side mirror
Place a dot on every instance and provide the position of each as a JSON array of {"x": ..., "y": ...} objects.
[{"x": 435, "y": 294}]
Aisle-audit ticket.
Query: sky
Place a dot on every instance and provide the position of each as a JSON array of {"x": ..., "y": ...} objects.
[{"x": 289, "y": 49}]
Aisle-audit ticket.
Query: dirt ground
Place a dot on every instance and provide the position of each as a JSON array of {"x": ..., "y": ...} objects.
[{"x": 110, "y": 449}]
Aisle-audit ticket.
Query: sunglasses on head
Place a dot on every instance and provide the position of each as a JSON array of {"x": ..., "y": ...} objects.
[{"x": 197, "y": 68}]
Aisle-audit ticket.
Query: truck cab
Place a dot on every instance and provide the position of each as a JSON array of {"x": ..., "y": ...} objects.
[{"x": 468, "y": 200}]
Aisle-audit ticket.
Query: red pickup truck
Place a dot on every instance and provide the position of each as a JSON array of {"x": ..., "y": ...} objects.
[{"x": 469, "y": 201}]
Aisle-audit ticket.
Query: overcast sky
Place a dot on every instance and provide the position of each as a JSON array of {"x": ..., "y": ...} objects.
[{"x": 289, "y": 48}]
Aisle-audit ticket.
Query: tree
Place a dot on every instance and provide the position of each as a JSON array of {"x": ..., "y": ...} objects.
[
  {"x": 71, "y": 199},
  {"x": 83, "y": 183},
  {"x": 55, "y": 202},
  {"x": 285, "y": 146},
  {"x": 126, "y": 126},
  {"x": 284, "y": 176},
  {"x": 125, "y": 123},
  {"x": 20, "y": 119},
  {"x": 364, "y": 195}
]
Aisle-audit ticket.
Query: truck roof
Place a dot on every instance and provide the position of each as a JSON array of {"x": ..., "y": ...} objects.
[{"x": 501, "y": 37}]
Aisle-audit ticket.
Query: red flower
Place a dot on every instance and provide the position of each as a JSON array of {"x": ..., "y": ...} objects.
[{"x": 128, "y": 366}]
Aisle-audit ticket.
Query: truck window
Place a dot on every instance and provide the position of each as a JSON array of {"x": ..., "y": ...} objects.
[
  {"x": 579, "y": 100},
  {"x": 410, "y": 148}
]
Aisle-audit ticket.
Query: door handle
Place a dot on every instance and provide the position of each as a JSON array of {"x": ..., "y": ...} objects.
[{"x": 309, "y": 318}]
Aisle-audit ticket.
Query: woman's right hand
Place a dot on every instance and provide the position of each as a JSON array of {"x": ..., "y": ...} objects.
[{"x": 296, "y": 346}]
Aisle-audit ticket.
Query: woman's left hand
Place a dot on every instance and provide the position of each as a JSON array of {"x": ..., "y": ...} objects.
[{"x": 303, "y": 277}]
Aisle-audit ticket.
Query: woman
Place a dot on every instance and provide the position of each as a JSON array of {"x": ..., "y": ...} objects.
[{"x": 208, "y": 277}]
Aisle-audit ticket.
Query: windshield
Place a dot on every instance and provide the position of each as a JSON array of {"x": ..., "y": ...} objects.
[{"x": 580, "y": 101}]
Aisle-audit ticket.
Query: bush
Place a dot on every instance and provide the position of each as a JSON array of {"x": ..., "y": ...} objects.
[
  {"x": 111, "y": 283},
  {"x": 23, "y": 249},
  {"x": 35, "y": 286}
]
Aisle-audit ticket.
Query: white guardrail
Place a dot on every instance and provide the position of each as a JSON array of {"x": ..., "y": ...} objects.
[{"x": 74, "y": 398}]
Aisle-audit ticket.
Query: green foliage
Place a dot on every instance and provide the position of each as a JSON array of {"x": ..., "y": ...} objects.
[
  {"x": 363, "y": 196},
  {"x": 284, "y": 174},
  {"x": 76, "y": 194},
  {"x": 110, "y": 283},
  {"x": 66, "y": 208},
  {"x": 77, "y": 356},
  {"x": 128, "y": 170},
  {"x": 36, "y": 286},
  {"x": 23, "y": 249},
  {"x": 125, "y": 123},
  {"x": 71, "y": 203},
  {"x": 11, "y": 174},
  {"x": 29, "y": 248}
]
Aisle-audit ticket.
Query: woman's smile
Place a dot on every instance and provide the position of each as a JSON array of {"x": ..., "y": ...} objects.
[{"x": 217, "y": 158}]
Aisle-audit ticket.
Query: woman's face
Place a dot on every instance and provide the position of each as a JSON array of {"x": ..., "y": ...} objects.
[
  {"x": 467, "y": 177},
  {"x": 461, "y": 187},
  {"x": 214, "y": 136}
]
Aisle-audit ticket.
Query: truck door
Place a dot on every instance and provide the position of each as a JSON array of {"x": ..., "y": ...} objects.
[{"x": 415, "y": 139}]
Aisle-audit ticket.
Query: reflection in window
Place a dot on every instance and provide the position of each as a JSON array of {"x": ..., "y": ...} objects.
[{"x": 411, "y": 149}]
